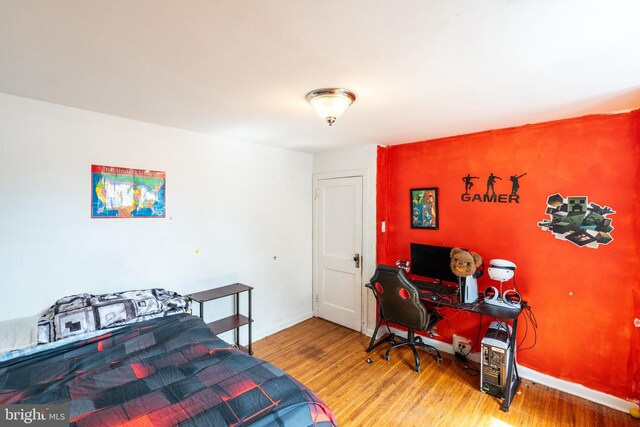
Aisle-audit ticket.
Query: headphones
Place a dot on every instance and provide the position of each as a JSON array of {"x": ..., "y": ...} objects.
[
  {"x": 479, "y": 272},
  {"x": 404, "y": 265}
]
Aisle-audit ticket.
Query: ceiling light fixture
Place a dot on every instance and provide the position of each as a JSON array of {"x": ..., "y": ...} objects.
[{"x": 330, "y": 103}]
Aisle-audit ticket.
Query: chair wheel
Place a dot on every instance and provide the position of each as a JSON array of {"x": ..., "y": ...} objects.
[
  {"x": 386, "y": 357},
  {"x": 416, "y": 369},
  {"x": 439, "y": 359}
]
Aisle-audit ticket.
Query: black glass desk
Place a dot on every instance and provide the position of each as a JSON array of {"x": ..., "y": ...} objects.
[{"x": 508, "y": 315}]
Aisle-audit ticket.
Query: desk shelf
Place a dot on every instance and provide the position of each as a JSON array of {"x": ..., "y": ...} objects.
[{"x": 236, "y": 320}]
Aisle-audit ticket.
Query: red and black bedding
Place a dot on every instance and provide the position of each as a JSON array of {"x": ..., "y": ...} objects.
[{"x": 165, "y": 371}]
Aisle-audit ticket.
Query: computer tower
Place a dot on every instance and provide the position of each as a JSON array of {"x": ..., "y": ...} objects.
[{"x": 495, "y": 359}]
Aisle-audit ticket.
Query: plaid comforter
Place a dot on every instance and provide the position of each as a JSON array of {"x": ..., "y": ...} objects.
[{"x": 162, "y": 372}]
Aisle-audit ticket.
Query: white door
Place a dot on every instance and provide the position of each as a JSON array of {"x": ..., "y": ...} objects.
[{"x": 339, "y": 251}]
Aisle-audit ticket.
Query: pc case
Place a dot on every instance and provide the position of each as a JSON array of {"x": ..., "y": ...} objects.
[{"x": 495, "y": 360}]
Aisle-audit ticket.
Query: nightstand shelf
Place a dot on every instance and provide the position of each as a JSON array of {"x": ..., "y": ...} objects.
[
  {"x": 229, "y": 323},
  {"x": 236, "y": 320}
]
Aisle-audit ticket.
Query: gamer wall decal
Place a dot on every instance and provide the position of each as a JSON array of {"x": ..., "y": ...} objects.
[
  {"x": 578, "y": 221},
  {"x": 490, "y": 195}
]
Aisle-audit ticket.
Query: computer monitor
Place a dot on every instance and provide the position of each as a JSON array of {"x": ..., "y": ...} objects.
[{"x": 433, "y": 262}]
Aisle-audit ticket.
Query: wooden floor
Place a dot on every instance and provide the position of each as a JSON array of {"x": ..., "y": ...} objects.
[{"x": 331, "y": 361}]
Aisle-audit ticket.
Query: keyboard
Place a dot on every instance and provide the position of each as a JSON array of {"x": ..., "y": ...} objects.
[{"x": 435, "y": 287}]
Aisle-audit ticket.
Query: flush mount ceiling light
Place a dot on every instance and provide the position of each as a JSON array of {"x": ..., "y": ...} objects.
[{"x": 330, "y": 103}]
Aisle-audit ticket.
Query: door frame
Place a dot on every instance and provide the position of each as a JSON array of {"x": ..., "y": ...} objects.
[{"x": 367, "y": 256}]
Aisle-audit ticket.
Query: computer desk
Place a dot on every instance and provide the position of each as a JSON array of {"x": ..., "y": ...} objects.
[{"x": 480, "y": 307}]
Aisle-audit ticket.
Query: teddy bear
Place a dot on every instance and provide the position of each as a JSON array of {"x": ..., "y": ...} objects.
[{"x": 465, "y": 263}]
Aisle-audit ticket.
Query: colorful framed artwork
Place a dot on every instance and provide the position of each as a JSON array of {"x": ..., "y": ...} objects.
[
  {"x": 424, "y": 208},
  {"x": 118, "y": 192}
]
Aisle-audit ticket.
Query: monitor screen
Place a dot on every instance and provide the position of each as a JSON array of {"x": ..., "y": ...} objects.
[{"x": 433, "y": 262}]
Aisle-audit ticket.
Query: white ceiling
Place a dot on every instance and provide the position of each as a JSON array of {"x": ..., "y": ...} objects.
[{"x": 240, "y": 69}]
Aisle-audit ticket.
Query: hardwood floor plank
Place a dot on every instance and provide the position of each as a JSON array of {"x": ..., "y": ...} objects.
[{"x": 331, "y": 361}]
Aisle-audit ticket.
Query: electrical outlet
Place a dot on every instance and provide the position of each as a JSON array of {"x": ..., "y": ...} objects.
[{"x": 461, "y": 345}]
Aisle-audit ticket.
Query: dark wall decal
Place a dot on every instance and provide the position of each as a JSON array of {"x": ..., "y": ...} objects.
[
  {"x": 578, "y": 221},
  {"x": 491, "y": 195},
  {"x": 468, "y": 182},
  {"x": 515, "y": 184},
  {"x": 490, "y": 182}
]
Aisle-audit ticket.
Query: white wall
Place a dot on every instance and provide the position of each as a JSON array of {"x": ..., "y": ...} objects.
[
  {"x": 345, "y": 161},
  {"x": 231, "y": 208}
]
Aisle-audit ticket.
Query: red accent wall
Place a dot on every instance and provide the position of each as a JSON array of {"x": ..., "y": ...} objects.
[{"x": 585, "y": 300}]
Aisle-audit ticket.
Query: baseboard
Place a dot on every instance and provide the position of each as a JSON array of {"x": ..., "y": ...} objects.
[
  {"x": 277, "y": 327},
  {"x": 540, "y": 378},
  {"x": 576, "y": 389}
]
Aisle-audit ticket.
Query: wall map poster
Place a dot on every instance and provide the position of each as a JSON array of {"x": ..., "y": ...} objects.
[
  {"x": 578, "y": 221},
  {"x": 127, "y": 193}
]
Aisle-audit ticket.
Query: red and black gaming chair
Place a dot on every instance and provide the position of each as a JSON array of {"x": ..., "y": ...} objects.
[{"x": 399, "y": 303}]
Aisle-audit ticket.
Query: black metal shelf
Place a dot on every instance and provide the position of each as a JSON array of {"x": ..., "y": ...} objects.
[{"x": 233, "y": 322}]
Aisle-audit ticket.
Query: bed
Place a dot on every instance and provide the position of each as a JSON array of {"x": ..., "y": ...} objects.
[{"x": 164, "y": 371}]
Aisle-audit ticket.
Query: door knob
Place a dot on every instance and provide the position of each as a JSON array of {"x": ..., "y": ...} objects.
[{"x": 356, "y": 258}]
